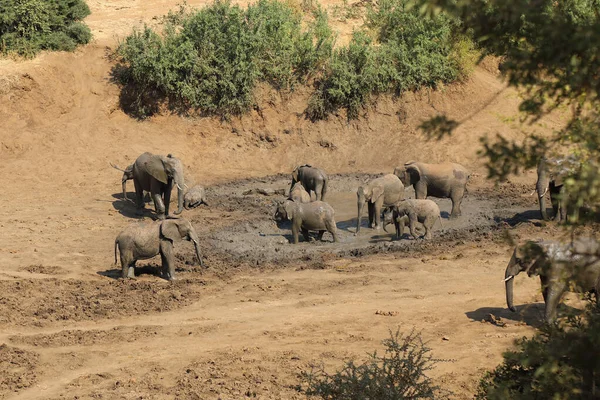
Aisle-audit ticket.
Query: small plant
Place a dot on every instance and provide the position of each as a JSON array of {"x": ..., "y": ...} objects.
[{"x": 397, "y": 375}]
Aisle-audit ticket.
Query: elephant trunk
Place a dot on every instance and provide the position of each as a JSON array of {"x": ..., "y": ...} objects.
[
  {"x": 360, "y": 205},
  {"x": 198, "y": 254},
  {"x": 124, "y": 185},
  {"x": 179, "y": 200},
  {"x": 512, "y": 270},
  {"x": 180, "y": 183},
  {"x": 541, "y": 187}
]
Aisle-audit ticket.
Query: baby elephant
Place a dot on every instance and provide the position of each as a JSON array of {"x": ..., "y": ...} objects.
[
  {"x": 315, "y": 216},
  {"x": 144, "y": 240},
  {"x": 194, "y": 197},
  {"x": 423, "y": 211},
  {"x": 127, "y": 175},
  {"x": 299, "y": 194}
]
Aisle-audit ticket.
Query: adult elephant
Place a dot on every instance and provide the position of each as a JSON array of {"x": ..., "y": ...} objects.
[
  {"x": 313, "y": 179},
  {"x": 378, "y": 193},
  {"x": 445, "y": 180},
  {"x": 561, "y": 266},
  {"x": 158, "y": 174},
  {"x": 551, "y": 175}
]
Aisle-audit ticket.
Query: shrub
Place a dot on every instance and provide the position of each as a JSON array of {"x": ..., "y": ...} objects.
[
  {"x": 398, "y": 374},
  {"x": 211, "y": 59},
  {"x": 414, "y": 51},
  {"x": 27, "y": 26},
  {"x": 560, "y": 362}
]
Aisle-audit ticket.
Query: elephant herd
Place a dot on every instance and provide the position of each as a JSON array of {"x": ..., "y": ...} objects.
[
  {"x": 560, "y": 266},
  {"x": 446, "y": 180}
]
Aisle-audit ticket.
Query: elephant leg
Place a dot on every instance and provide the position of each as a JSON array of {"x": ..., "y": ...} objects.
[
  {"x": 295, "y": 231},
  {"x": 427, "y": 230},
  {"x": 456, "y": 198},
  {"x": 371, "y": 209},
  {"x": 377, "y": 210},
  {"x": 319, "y": 192},
  {"x": 320, "y": 236},
  {"x": 306, "y": 235},
  {"x": 420, "y": 190},
  {"x": 412, "y": 226},
  {"x": 554, "y": 292},
  {"x": 332, "y": 228},
  {"x": 127, "y": 267},
  {"x": 159, "y": 205},
  {"x": 166, "y": 256},
  {"x": 398, "y": 229},
  {"x": 139, "y": 198}
]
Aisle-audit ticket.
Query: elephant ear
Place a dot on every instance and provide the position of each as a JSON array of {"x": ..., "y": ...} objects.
[
  {"x": 295, "y": 173},
  {"x": 169, "y": 229},
  {"x": 414, "y": 172},
  {"x": 156, "y": 168},
  {"x": 289, "y": 209},
  {"x": 376, "y": 193}
]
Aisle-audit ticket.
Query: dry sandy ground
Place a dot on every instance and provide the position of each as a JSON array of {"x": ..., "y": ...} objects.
[{"x": 263, "y": 310}]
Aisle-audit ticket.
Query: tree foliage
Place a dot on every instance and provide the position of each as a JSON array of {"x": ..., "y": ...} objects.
[
  {"x": 550, "y": 52},
  {"x": 560, "y": 363},
  {"x": 28, "y": 26}
]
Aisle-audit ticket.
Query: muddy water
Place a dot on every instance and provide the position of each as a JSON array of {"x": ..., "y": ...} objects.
[{"x": 242, "y": 230}]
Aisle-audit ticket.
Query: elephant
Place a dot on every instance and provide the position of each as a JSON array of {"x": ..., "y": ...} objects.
[
  {"x": 551, "y": 174},
  {"x": 194, "y": 197},
  {"x": 157, "y": 174},
  {"x": 560, "y": 267},
  {"x": 445, "y": 180},
  {"x": 313, "y": 179},
  {"x": 144, "y": 240},
  {"x": 423, "y": 211},
  {"x": 127, "y": 175},
  {"x": 314, "y": 216},
  {"x": 380, "y": 192},
  {"x": 299, "y": 194}
]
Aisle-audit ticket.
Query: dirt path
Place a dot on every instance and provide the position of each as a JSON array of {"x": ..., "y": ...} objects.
[{"x": 264, "y": 310}]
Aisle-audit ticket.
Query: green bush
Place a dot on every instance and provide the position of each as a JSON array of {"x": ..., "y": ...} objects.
[
  {"x": 560, "y": 362},
  {"x": 397, "y": 375},
  {"x": 211, "y": 59},
  {"x": 412, "y": 51},
  {"x": 28, "y": 26}
]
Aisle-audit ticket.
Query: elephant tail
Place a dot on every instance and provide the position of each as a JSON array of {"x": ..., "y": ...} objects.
[
  {"x": 116, "y": 247},
  {"x": 324, "y": 191}
]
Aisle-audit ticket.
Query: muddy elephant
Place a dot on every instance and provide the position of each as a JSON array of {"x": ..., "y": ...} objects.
[
  {"x": 412, "y": 211},
  {"x": 445, "y": 180},
  {"x": 313, "y": 179},
  {"x": 127, "y": 175},
  {"x": 158, "y": 174},
  {"x": 378, "y": 193},
  {"x": 194, "y": 197},
  {"x": 560, "y": 267},
  {"x": 551, "y": 174},
  {"x": 299, "y": 194},
  {"x": 144, "y": 240},
  {"x": 315, "y": 216}
]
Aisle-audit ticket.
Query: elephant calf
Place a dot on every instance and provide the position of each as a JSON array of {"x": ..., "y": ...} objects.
[
  {"x": 127, "y": 175},
  {"x": 315, "y": 216},
  {"x": 423, "y": 211},
  {"x": 194, "y": 197},
  {"x": 144, "y": 240},
  {"x": 561, "y": 266},
  {"x": 299, "y": 194}
]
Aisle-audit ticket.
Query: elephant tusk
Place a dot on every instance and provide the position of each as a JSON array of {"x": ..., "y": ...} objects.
[
  {"x": 508, "y": 279},
  {"x": 185, "y": 186},
  {"x": 179, "y": 187},
  {"x": 532, "y": 193},
  {"x": 543, "y": 194}
]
